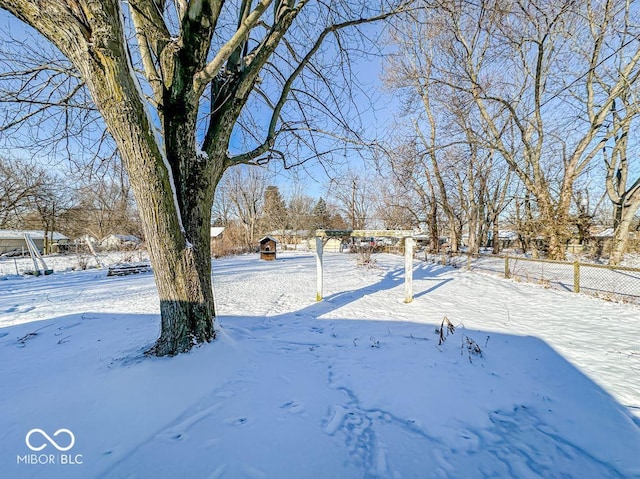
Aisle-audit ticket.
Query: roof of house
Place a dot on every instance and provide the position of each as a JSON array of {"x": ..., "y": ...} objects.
[
  {"x": 35, "y": 234},
  {"x": 216, "y": 231},
  {"x": 607, "y": 233},
  {"x": 123, "y": 238}
]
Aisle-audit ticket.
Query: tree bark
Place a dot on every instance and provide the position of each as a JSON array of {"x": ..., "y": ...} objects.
[{"x": 623, "y": 218}]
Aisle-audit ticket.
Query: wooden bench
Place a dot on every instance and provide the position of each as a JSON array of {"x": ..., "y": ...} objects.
[{"x": 123, "y": 269}]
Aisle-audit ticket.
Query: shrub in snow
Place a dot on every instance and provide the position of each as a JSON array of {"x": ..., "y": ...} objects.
[
  {"x": 447, "y": 326},
  {"x": 470, "y": 346}
]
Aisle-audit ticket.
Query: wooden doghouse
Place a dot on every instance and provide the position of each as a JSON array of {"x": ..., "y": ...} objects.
[{"x": 268, "y": 248}]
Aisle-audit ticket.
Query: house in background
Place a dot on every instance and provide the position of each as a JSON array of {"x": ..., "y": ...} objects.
[
  {"x": 216, "y": 240},
  {"x": 290, "y": 239},
  {"x": 13, "y": 241},
  {"x": 120, "y": 242},
  {"x": 332, "y": 245}
]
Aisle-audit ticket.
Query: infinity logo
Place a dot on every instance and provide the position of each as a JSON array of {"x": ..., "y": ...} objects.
[{"x": 72, "y": 438}]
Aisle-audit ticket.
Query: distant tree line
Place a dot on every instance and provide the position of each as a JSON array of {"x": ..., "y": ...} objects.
[
  {"x": 250, "y": 208},
  {"x": 520, "y": 115},
  {"x": 35, "y": 197}
]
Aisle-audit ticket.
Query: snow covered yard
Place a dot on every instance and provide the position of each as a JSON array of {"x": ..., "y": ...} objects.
[{"x": 532, "y": 383}]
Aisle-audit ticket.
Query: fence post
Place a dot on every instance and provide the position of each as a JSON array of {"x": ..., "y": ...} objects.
[
  {"x": 576, "y": 277},
  {"x": 319, "y": 269},
  {"x": 408, "y": 269},
  {"x": 506, "y": 266}
]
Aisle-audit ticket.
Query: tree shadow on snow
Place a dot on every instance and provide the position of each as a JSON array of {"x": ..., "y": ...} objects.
[{"x": 422, "y": 272}]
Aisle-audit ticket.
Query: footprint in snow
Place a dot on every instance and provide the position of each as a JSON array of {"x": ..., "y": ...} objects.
[
  {"x": 172, "y": 436},
  {"x": 19, "y": 309},
  {"x": 292, "y": 407},
  {"x": 225, "y": 394},
  {"x": 237, "y": 421}
]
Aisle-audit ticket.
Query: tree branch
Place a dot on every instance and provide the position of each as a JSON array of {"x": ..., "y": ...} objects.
[
  {"x": 272, "y": 133},
  {"x": 209, "y": 72}
]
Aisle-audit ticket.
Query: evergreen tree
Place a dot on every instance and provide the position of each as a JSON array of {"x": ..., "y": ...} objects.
[
  {"x": 321, "y": 217},
  {"x": 275, "y": 211}
]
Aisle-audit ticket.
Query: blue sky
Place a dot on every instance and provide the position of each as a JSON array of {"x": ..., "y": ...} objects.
[{"x": 375, "y": 118}]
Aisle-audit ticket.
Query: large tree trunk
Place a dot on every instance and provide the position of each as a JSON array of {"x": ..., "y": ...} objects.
[
  {"x": 434, "y": 231},
  {"x": 495, "y": 228},
  {"x": 186, "y": 304},
  {"x": 455, "y": 233},
  {"x": 472, "y": 245},
  {"x": 175, "y": 214},
  {"x": 620, "y": 240},
  {"x": 623, "y": 217},
  {"x": 176, "y": 227}
]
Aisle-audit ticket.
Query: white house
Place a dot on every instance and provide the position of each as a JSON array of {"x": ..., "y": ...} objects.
[
  {"x": 13, "y": 240},
  {"x": 116, "y": 242},
  {"x": 216, "y": 231}
]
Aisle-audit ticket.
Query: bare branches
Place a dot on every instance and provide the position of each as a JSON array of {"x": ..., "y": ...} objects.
[
  {"x": 286, "y": 89},
  {"x": 152, "y": 36},
  {"x": 248, "y": 21},
  {"x": 21, "y": 182},
  {"x": 46, "y": 109}
]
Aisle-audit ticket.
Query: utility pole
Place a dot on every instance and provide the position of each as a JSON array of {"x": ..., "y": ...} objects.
[{"x": 353, "y": 205}]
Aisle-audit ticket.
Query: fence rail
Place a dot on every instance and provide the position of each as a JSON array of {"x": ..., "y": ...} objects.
[{"x": 608, "y": 282}]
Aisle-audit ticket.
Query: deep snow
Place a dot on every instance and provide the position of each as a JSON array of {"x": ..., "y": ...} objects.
[{"x": 356, "y": 386}]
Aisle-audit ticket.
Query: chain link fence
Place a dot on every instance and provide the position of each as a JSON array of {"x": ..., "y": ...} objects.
[{"x": 615, "y": 283}]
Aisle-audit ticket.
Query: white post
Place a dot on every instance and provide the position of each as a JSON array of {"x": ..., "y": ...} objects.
[
  {"x": 408, "y": 270},
  {"x": 93, "y": 251},
  {"x": 35, "y": 254},
  {"x": 319, "y": 272}
]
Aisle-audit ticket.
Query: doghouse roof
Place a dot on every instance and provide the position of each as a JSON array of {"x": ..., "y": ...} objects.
[{"x": 266, "y": 239}]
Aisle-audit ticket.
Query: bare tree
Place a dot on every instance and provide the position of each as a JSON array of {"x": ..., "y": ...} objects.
[
  {"x": 352, "y": 192},
  {"x": 414, "y": 192},
  {"x": 535, "y": 44},
  {"x": 244, "y": 190},
  {"x": 101, "y": 207},
  {"x": 393, "y": 206},
  {"x": 47, "y": 206},
  {"x": 20, "y": 183},
  {"x": 498, "y": 199},
  {"x": 300, "y": 210},
  {"x": 623, "y": 191},
  {"x": 173, "y": 81},
  {"x": 452, "y": 163},
  {"x": 494, "y": 75}
]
